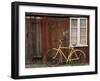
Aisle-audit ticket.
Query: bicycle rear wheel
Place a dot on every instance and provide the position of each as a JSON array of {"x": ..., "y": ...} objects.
[
  {"x": 53, "y": 59},
  {"x": 78, "y": 57}
]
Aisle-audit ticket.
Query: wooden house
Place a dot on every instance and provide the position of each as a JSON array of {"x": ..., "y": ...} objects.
[{"x": 43, "y": 32}]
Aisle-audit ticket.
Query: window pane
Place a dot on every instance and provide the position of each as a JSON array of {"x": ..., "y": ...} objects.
[
  {"x": 74, "y": 23},
  {"x": 83, "y": 31},
  {"x": 83, "y": 40},
  {"x": 83, "y": 23}
]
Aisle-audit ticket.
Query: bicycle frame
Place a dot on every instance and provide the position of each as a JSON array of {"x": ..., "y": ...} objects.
[{"x": 62, "y": 54}]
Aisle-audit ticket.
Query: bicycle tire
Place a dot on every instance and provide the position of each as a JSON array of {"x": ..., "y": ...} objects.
[
  {"x": 53, "y": 61},
  {"x": 79, "y": 56}
]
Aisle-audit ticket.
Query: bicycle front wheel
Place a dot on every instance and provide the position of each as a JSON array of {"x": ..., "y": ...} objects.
[
  {"x": 78, "y": 57},
  {"x": 53, "y": 57}
]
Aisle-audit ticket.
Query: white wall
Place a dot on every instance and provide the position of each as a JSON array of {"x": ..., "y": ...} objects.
[{"x": 5, "y": 40}]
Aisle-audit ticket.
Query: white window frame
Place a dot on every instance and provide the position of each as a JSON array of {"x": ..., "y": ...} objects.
[{"x": 78, "y": 32}]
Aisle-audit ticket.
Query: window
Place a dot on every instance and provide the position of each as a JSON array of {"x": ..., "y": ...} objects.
[{"x": 78, "y": 31}]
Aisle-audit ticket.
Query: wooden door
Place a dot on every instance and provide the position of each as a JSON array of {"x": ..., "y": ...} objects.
[{"x": 32, "y": 39}]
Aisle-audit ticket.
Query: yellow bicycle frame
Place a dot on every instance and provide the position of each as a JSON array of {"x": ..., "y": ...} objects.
[{"x": 62, "y": 54}]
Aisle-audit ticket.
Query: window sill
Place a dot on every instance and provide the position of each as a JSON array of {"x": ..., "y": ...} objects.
[{"x": 79, "y": 46}]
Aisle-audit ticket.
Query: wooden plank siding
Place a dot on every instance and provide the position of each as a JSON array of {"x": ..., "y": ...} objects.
[
  {"x": 51, "y": 30},
  {"x": 44, "y": 37}
]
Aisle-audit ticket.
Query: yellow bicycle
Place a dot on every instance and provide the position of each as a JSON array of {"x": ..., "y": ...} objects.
[{"x": 54, "y": 56}]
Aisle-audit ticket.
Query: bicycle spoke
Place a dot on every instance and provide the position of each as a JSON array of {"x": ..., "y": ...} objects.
[
  {"x": 53, "y": 58},
  {"x": 78, "y": 57}
]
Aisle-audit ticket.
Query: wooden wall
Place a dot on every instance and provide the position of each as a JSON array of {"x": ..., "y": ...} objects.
[{"x": 51, "y": 29}]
